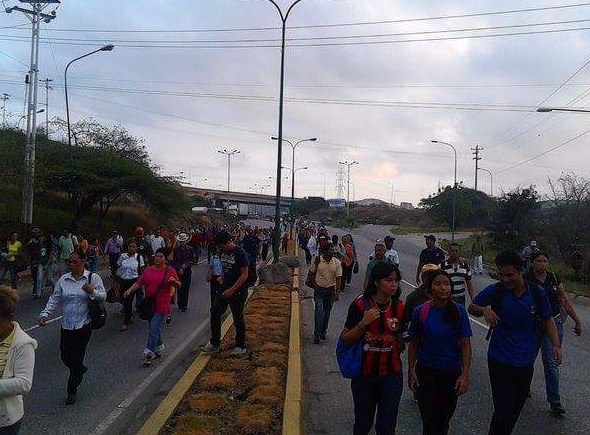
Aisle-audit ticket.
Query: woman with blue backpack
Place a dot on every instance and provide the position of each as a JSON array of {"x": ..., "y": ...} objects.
[
  {"x": 374, "y": 324},
  {"x": 439, "y": 355}
]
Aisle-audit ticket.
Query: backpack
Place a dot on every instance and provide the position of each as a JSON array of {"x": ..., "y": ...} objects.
[
  {"x": 498, "y": 297},
  {"x": 97, "y": 310},
  {"x": 350, "y": 358}
]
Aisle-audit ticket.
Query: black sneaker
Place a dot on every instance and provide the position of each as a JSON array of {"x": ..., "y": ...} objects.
[
  {"x": 71, "y": 399},
  {"x": 316, "y": 339},
  {"x": 557, "y": 409},
  {"x": 323, "y": 337},
  {"x": 168, "y": 321}
]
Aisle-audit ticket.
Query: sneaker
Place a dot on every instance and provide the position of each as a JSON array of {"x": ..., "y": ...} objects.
[
  {"x": 71, "y": 399},
  {"x": 316, "y": 339},
  {"x": 168, "y": 321},
  {"x": 238, "y": 351},
  {"x": 160, "y": 348},
  {"x": 323, "y": 337},
  {"x": 209, "y": 348},
  {"x": 557, "y": 409}
]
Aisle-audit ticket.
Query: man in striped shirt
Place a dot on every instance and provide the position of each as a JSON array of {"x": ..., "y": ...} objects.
[{"x": 460, "y": 274}]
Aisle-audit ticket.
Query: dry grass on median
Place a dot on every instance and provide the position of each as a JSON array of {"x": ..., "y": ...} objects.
[{"x": 243, "y": 395}]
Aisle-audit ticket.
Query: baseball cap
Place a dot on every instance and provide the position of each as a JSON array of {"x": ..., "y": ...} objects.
[{"x": 430, "y": 237}]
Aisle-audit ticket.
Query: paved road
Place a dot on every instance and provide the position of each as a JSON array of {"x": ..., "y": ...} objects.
[
  {"x": 328, "y": 400},
  {"x": 115, "y": 373}
]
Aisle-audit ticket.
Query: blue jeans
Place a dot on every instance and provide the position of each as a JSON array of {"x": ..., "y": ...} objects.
[
  {"x": 376, "y": 393},
  {"x": 322, "y": 297},
  {"x": 155, "y": 332},
  {"x": 37, "y": 270},
  {"x": 550, "y": 364}
]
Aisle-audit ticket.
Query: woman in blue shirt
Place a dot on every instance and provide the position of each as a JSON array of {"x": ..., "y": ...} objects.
[{"x": 439, "y": 355}]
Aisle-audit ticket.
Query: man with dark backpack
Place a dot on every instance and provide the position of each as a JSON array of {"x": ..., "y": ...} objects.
[{"x": 516, "y": 311}]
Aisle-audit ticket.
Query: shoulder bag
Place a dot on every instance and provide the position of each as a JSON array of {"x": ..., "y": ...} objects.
[
  {"x": 146, "y": 308},
  {"x": 97, "y": 310}
]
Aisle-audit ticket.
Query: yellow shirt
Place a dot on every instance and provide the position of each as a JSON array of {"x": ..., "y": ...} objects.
[
  {"x": 13, "y": 249},
  {"x": 327, "y": 272},
  {"x": 4, "y": 348}
]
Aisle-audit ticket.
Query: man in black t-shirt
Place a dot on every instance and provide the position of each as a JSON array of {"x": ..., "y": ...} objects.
[
  {"x": 429, "y": 255},
  {"x": 233, "y": 293}
]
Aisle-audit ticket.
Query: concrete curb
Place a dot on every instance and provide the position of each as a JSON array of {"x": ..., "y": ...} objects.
[
  {"x": 292, "y": 408},
  {"x": 156, "y": 422}
]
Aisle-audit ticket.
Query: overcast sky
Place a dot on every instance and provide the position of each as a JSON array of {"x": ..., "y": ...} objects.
[{"x": 189, "y": 79}]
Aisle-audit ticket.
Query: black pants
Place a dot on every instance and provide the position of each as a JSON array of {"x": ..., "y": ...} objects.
[
  {"x": 264, "y": 253},
  {"x": 236, "y": 305},
  {"x": 13, "y": 429},
  {"x": 214, "y": 288},
  {"x": 437, "y": 399},
  {"x": 113, "y": 259},
  {"x": 307, "y": 256},
  {"x": 510, "y": 388},
  {"x": 185, "y": 285},
  {"x": 72, "y": 346},
  {"x": 127, "y": 301}
]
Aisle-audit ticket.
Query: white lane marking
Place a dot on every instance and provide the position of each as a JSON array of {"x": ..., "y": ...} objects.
[
  {"x": 121, "y": 407},
  {"x": 477, "y": 322},
  {"x": 38, "y": 326},
  {"x": 32, "y": 328}
]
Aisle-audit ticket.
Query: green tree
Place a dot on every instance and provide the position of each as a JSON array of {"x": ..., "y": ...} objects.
[
  {"x": 515, "y": 221},
  {"x": 309, "y": 205},
  {"x": 473, "y": 208}
]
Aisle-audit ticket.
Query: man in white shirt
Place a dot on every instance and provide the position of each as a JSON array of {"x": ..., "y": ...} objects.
[
  {"x": 328, "y": 282},
  {"x": 157, "y": 241}
]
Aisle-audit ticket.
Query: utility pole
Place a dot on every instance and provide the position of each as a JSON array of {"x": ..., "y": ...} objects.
[
  {"x": 35, "y": 15},
  {"x": 477, "y": 158},
  {"x": 47, "y": 88},
  {"x": 5, "y": 98}
]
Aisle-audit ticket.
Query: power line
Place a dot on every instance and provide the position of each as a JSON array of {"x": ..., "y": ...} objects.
[
  {"x": 312, "y": 38},
  {"x": 349, "y": 24},
  {"x": 301, "y": 39},
  {"x": 545, "y": 152},
  {"x": 192, "y": 45}
]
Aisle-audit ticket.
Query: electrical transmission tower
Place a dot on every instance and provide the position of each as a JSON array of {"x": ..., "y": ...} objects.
[
  {"x": 35, "y": 15},
  {"x": 477, "y": 158},
  {"x": 340, "y": 182}
]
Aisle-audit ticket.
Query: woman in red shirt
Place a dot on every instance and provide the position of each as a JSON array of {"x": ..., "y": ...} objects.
[
  {"x": 375, "y": 317},
  {"x": 161, "y": 282}
]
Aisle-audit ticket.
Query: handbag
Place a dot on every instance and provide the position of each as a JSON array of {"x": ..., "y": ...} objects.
[
  {"x": 355, "y": 268},
  {"x": 97, "y": 310},
  {"x": 350, "y": 358},
  {"x": 147, "y": 307}
]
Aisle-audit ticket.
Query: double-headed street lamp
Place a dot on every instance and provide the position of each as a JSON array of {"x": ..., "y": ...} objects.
[
  {"x": 293, "y": 146},
  {"x": 108, "y": 47},
  {"x": 293, "y": 170},
  {"x": 348, "y": 164},
  {"x": 454, "y": 201},
  {"x": 228, "y": 154},
  {"x": 491, "y": 180},
  {"x": 276, "y": 242}
]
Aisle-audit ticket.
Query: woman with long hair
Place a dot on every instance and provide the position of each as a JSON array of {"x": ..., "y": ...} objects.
[
  {"x": 375, "y": 318},
  {"x": 439, "y": 354},
  {"x": 17, "y": 361},
  {"x": 129, "y": 266},
  {"x": 161, "y": 282}
]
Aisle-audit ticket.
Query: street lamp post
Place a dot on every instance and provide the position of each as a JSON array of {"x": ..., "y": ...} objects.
[
  {"x": 348, "y": 164},
  {"x": 491, "y": 180},
  {"x": 293, "y": 146},
  {"x": 228, "y": 154},
  {"x": 108, "y": 47},
  {"x": 277, "y": 234},
  {"x": 454, "y": 201},
  {"x": 561, "y": 109}
]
